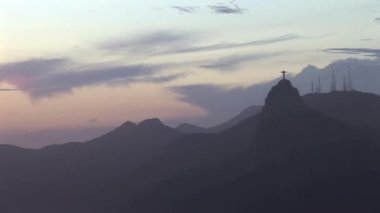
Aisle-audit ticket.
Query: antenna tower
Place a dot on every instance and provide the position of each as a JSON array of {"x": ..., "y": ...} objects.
[
  {"x": 350, "y": 83},
  {"x": 319, "y": 87},
  {"x": 345, "y": 84},
  {"x": 333, "y": 80}
]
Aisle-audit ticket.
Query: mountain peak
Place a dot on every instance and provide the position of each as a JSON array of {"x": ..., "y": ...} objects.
[
  {"x": 128, "y": 124},
  {"x": 283, "y": 98},
  {"x": 154, "y": 122},
  {"x": 310, "y": 68}
]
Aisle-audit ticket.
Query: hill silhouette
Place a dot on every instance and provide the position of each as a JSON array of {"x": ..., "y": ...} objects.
[
  {"x": 288, "y": 126},
  {"x": 300, "y": 154},
  {"x": 358, "y": 109},
  {"x": 303, "y": 161},
  {"x": 79, "y": 177}
]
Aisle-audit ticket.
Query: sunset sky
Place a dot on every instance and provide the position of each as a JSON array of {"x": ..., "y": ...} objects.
[{"x": 69, "y": 64}]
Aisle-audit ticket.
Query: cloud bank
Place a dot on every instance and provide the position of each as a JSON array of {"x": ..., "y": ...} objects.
[{"x": 49, "y": 77}]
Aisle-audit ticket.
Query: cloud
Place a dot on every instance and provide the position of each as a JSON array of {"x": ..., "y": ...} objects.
[
  {"x": 186, "y": 9},
  {"x": 226, "y": 9},
  {"x": 49, "y": 77},
  {"x": 220, "y": 8},
  {"x": 7, "y": 90},
  {"x": 94, "y": 120},
  {"x": 231, "y": 45},
  {"x": 167, "y": 78},
  {"x": 172, "y": 42},
  {"x": 232, "y": 62},
  {"x": 366, "y": 51},
  {"x": 20, "y": 72},
  {"x": 65, "y": 82},
  {"x": 153, "y": 42},
  {"x": 221, "y": 102}
]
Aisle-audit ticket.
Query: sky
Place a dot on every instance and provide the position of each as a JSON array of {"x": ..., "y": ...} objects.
[{"x": 69, "y": 64}]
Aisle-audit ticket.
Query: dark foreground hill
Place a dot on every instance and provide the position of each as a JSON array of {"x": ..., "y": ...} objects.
[
  {"x": 290, "y": 158},
  {"x": 303, "y": 161},
  {"x": 78, "y": 177},
  {"x": 110, "y": 172}
]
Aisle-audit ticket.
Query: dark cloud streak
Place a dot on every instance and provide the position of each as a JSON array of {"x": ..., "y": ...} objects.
[
  {"x": 223, "y": 46},
  {"x": 220, "y": 8},
  {"x": 225, "y": 9},
  {"x": 232, "y": 62},
  {"x": 149, "y": 43},
  {"x": 65, "y": 82},
  {"x": 186, "y": 9},
  {"x": 366, "y": 51},
  {"x": 8, "y": 90},
  {"x": 164, "y": 79},
  {"x": 170, "y": 42},
  {"x": 30, "y": 69}
]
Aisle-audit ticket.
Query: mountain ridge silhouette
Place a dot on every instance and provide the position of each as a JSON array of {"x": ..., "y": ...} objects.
[{"x": 290, "y": 158}]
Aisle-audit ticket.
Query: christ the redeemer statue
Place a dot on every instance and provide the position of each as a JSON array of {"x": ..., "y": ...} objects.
[{"x": 284, "y": 74}]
